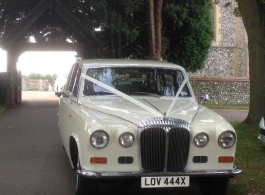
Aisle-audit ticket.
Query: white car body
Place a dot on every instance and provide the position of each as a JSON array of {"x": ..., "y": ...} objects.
[
  {"x": 59, "y": 83},
  {"x": 80, "y": 116},
  {"x": 262, "y": 130}
]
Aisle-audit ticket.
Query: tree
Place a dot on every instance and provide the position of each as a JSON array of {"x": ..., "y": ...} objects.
[
  {"x": 126, "y": 30},
  {"x": 50, "y": 78},
  {"x": 122, "y": 25},
  {"x": 155, "y": 28},
  {"x": 253, "y": 16},
  {"x": 188, "y": 33},
  {"x": 12, "y": 12},
  {"x": 151, "y": 24}
]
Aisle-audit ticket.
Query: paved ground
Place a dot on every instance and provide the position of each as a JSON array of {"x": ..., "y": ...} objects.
[
  {"x": 33, "y": 162},
  {"x": 233, "y": 115}
]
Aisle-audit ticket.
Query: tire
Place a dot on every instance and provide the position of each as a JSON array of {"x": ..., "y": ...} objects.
[
  {"x": 84, "y": 185},
  {"x": 214, "y": 186}
]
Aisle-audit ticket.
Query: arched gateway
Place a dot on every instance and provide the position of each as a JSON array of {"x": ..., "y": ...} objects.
[{"x": 15, "y": 43}]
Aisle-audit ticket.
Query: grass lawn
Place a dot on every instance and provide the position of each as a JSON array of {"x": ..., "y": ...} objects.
[
  {"x": 2, "y": 109},
  {"x": 227, "y": 106},
  {"x": 250, "y": 157}
]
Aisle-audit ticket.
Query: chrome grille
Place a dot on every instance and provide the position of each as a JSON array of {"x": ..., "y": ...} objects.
[
  {"x": 179, "y": 141},
  {"x": 164, "y": 144},
  {"x": 153, "y": 149}
]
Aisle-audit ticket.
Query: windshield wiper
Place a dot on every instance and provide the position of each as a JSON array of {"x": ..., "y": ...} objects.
[
  {"x": 145, "y": 93},
  {"x": 101, "y": 93}
]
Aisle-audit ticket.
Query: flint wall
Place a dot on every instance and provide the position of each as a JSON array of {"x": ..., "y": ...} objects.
[{"x": 222, "y": 90}]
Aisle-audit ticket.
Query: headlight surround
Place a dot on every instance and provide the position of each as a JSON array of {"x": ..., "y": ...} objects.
[
  {"x": 201, "y": 140},
  {"x": 126, "y": 139},
  {"x": 99, "y": 139},
  {"x": 227, "y": 139}
]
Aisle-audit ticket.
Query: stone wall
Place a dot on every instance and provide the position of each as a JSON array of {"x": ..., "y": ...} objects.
[
  {"x": 228, "y": 55},
  {"x": 222, "y": 90},
  {"x": 34, "y": 84},
  {"x": 225, "y": 75}
]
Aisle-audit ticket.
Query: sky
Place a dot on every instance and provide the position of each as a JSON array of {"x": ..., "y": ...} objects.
[{"x": 41, "y": 62}]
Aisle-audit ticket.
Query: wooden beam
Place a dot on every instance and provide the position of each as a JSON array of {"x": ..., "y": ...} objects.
[
  {"x": 24, "y": 24},
  {"x": 49, "y": 46}
]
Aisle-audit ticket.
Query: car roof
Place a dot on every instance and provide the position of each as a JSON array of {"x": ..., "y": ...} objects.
[{"x": 89, "y": 63}]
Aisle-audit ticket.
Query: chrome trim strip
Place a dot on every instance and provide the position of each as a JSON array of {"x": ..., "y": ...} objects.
[
  {"x": 229, "y": 173},
  {"x": 166, "y": 149},
  {"x": 164, "y": 123},
  {"x": 152, "y": 105}
]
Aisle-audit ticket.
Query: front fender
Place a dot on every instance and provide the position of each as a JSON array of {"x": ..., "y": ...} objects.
[{"x": 209, "y": 122}]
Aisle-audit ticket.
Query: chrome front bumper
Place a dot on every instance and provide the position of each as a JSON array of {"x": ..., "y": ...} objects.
[{"x": 230, "y": 173}]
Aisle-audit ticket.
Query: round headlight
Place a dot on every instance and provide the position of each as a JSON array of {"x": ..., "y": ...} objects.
[
  {"x": 201, "y": 139},
  {"x": 126, "y": 139},
  {"x": 227, "y": 139},
  {"x": 99, "y": 139}
]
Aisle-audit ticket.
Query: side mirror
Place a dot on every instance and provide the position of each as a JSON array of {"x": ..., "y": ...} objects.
[
  {"x": 205, "y": 98},
  {"x": 70, "y": 95}
]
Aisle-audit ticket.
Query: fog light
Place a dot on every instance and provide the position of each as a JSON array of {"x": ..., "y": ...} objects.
[
  {"x": 98, "y": 160},
  {"x": 225, "y": 159}
]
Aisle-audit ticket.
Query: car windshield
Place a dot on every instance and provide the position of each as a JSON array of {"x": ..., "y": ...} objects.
[{"x": 136, "y": 81}]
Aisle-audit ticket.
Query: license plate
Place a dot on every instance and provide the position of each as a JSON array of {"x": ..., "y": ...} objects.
[{"x": 162, "y": 182}]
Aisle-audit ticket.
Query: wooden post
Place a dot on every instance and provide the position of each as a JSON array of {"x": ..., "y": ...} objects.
[{"x": 12, "y": 93}]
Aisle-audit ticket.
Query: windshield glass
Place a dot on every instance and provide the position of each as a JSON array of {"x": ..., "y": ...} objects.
[{"x": 136, "y": 81}]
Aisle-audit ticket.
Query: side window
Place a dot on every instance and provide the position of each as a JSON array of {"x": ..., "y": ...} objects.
[
  {"x": 185, "y": 90},
  {"x": 68, "y": 80},
  {"x": 72, "y": 78},
  {"x": 76, "y": 82}
]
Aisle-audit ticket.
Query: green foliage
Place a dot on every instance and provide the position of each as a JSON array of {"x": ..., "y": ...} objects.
[
  {"x": 237, "y": 12},
  {"x": 2, "y": 109},
  {"x": 227, "y": 4},
  {"x": 122, "y": 27},
  {"x": 50, "y": 78},
  {"x": 187, "y": 31},
  {"x": 11, "y": 12},
  {"x": 227, "y": 106},
  {"x": 188, "y": 27},
  {"x": 113, "y": 22},
  {"x": 6, "y": 78}
]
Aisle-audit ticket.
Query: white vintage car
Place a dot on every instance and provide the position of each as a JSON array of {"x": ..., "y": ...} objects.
[
  {"x": 137, "y": 119},
  {"x": 59, "y": 84},
  {"x": 262, "y": 129}
]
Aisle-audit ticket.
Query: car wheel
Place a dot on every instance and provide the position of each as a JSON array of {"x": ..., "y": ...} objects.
[
  {"x": 214, "y": 186},
  {"x": 84, "y": 185}
]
